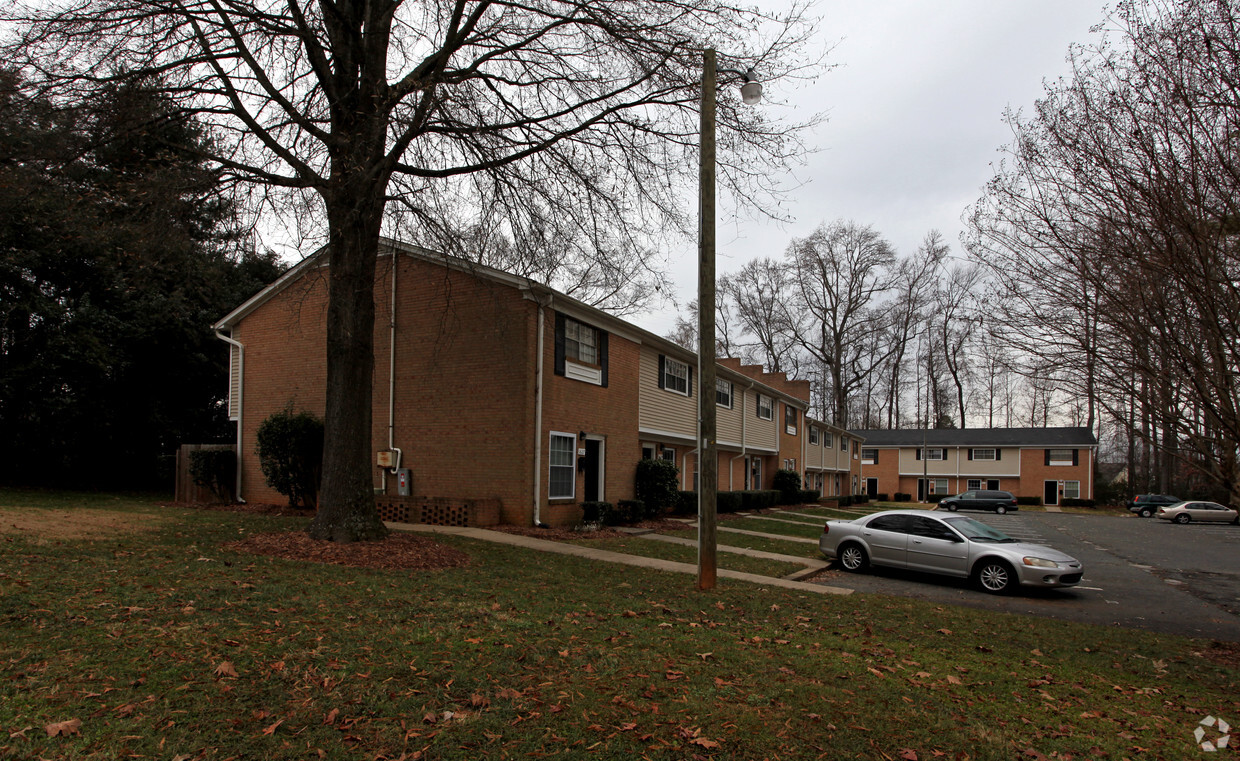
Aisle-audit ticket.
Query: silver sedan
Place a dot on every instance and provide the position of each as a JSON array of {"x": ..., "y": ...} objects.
[
  {"x": 1206, "y": 512},
  {"x": 954, "y": 545}
]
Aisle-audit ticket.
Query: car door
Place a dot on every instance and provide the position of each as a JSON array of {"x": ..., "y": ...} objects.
[
  {"x": 934, "y": 547},
  {"x": 887, "y": 537},
  {"x": 1212, "y": 511}
]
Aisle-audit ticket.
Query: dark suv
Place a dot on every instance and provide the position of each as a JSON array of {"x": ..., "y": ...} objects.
[
  {"x": 982, "y": 499},
  {"x": 1146, "y": 505}
]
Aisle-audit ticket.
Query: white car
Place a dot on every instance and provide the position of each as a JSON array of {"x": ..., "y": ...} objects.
[
  {"x": 954, "y": 545},
  {"x": 1206, "y": 512}
]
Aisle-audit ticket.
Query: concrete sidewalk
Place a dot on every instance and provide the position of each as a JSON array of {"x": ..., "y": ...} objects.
[{"x": 607, "y": 556}]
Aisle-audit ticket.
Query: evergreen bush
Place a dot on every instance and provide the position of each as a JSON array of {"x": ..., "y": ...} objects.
[
  {"x": 657, "y": 485},
  {"x": 290, "y": 451}
]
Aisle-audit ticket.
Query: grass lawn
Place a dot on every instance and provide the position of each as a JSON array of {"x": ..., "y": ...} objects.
[
  {"x": 135, "y": 621},
  {"x": 780, "y": 546},
  {"x": 685, "y": 554}
]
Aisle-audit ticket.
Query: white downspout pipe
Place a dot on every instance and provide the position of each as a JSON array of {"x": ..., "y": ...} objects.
[
  {"x": 240, "y": 399},
  {"x": 391, "y": 439},
  {"x": 538, "y": 412}
]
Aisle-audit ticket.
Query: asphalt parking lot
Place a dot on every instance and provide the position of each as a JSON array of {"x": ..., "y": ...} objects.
[{"x": 1139, "y": 573}]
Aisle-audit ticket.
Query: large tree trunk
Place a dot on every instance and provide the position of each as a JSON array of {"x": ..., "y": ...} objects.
[{"x": 347, "y": 510}]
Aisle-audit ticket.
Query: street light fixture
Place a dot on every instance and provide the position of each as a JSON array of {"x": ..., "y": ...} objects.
[{"x": 708, "y": 456}]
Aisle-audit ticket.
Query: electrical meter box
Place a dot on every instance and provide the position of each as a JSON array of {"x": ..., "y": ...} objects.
[
  {"x": 385, "y": 459},
  {"x": 404, "y": 482}
]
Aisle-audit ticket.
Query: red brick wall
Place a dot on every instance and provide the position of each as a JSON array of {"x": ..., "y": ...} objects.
[
  {"x": 464, "y": 413},
  {"x": 573, "y": 406},
  {"x": 1034, "y": 472}
]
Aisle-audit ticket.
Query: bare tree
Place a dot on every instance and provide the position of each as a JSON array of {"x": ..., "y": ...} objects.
[
  {"x": 840, "y": 272},
  {"x": 955, "y": 322},
  {"x": 758, "y": 294},
  {"x": 562, "y": 125},
  {"x": 1123, "y": 192},
  {"x": 913, "y": 283}
]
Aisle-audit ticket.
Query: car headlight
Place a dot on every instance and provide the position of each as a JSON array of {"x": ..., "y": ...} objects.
[{"x": 1040, "y": 562}]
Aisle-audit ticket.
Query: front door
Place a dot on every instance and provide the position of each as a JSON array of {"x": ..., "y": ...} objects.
[
  {"x": 1050, "y": 492},
  {"x": 594, "y": 470},
  {"x": 871, "y": 488}
]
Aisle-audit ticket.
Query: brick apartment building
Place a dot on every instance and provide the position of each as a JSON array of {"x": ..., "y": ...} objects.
[
  {"x": 1051, "y": 464},
  {"x": 496, "y": 388}
]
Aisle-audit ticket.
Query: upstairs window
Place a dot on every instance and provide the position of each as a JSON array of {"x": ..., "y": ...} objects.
[
  {"x": 932, "y": 453},
  {"x": 790, "y": 420},
  {"x": 580, "y": 342},
  {"x": 723, "y": 393},
  {"x": 826, "y": 439},
  {"x": 765, "y": 404},
  {"x": 813, "y": 434},
  {"x": 1061, "y": 457},
  {"x": 675, "y": 375},
  {"x": 984, "y": 454},
  {"x": 869, "y": 456},
  {"x": 580, "y": 351}
]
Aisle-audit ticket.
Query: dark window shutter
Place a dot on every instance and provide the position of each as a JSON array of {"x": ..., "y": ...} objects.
[
  {"x": 970, "y": 454},
  {"x": 661, "y": 372},
  {"x": 919, "y": 454},
  {"x": 559, "y": 344},
  {"x": 602, "y": 355},
  {"x": 1048, "y": 457},
  {"x": 690, "y": 387},
  {"x": 1076, "y": 460},
  {"x": 757, "y": 410},
  {"x": 998, "y": 453}
]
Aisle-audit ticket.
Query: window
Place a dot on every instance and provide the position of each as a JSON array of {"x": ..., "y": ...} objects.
[
  {"x": 826, "y": 439},
  {"x": 790, "y": 419},
  {"x": 939, "y": 486},
  {"x": 973, "y": 484},
  {"x": 647, "y": 452},
  {"x": 1061, "y": 457},
  {"x": 983, "y": 454},
  {"x": 675, "y": 376},
  {"x": 765, "y": 410},
  {"x": 755, "y": 473},
  {"x": 790, "y": 464},
  {"x": 1071, "y": 489},
  {"x": 668, "y": 454},
  {"x": 563, "y": 479},
  {"x": 932, "y": 454},
  {"x": 723, "y": 393},
  {"x": 813, "y": 434},
  {"x": 580, "y": 342},
  {"x": 869, "y": 456},
  {"x": 843, "y": 444},
  {"x": 580, "y": 351}
]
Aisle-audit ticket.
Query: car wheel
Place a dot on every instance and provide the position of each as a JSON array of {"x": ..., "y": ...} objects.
[
  {"x": 1183, "y": 518},
  {"x": 951, "y": 508},
  {"x": 995, "y": 577},
  {"x": 1001, "y": 510},
  {"x": 1146, "y": 512},
  {"x": 853, "y": 558}
]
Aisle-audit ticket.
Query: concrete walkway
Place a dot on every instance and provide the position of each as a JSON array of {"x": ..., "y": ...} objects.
[{"x": 607, "y": 556}]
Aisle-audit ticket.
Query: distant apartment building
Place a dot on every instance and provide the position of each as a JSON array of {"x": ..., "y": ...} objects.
[{"x": 1051, "y": 464}]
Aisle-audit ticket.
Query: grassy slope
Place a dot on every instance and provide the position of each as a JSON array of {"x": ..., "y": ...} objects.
[{"x": 525, "y": 654}]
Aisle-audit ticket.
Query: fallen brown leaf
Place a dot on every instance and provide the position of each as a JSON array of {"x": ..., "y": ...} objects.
[{"x": 64, "y": 728}]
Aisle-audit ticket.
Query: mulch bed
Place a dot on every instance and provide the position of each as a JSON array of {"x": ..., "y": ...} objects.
[{"x": 569, "y": 534}]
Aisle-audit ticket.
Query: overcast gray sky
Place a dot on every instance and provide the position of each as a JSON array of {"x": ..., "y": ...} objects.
[{"x": 914, "y": 119}]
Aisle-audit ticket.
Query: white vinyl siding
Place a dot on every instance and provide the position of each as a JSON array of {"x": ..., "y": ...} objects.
[{"x": 234, "y": 382}]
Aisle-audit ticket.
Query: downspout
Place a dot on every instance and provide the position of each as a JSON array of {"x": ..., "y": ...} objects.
[
  {"x": 804, "y": 444},
  {"x": 392, "y": 379},
  {"x": 240, "y": 398},
  {"x": 731, "y": 463},
  {"x": 538, "y": 414}
]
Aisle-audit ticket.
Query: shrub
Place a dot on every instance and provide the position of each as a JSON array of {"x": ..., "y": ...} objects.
[
  {"x": 214, "y": 469},
  {"x": 290, "y": 450},
  {"x": 902, "y": 497},
  {"x": 807, "y": 496},
  {"x": 728, "y": 501},
  {"x": 686, "y": 504},
  {"x": 844, "y": 501},
  {"x": 1077, "y": 502},
  {"x": 787, "y": 483},
  {"x": 882, "y": 498},
  {"x": 861, "y": 499},
  {"x": 759, "y": 499},
  {"x": 1030, "y": 501},
  {"x": 657, "y": 485},
  {"x": 597, "y": 513}
]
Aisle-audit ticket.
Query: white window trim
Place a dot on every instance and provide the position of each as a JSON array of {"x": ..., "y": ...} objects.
[
  {"x": 1067, "y": 485},
  {"x": 925, "y": 454},
  {"x": 813, "y": 435},
  {"x": 668, "y": 374},
  {"x": 1061, "y": 463},
  {"x": 869, "y": 460},
  {"x": 991, "y": 450},
  {"x": 593, "y": 332},
  {"x": 730, "y": 393},
  {"x": 551, "y": 466},
  {"x": 971, "y": 484}
]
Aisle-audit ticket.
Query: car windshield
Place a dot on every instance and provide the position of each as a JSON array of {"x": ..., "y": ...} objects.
[{"x": 978, "y": 531}]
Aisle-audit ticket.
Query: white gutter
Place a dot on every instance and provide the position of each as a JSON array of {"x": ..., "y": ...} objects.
[
  {"x": 538, "y": 406},
  {"x": 240, "y": 398}
]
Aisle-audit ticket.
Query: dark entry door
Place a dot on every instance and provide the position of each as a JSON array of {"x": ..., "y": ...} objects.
[
  {"x": 871, "y": 488},
  {"x": 594, "y": 467},
  {"x": 1050, "y": 492}
]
